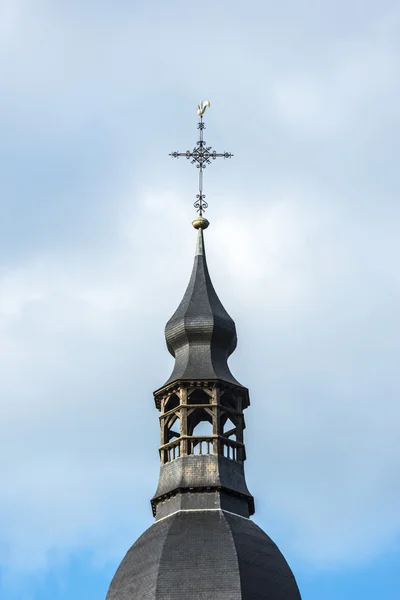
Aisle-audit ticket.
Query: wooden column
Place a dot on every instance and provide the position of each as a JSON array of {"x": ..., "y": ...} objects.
[
  {"x": 215, "y": 400},
  {"x": 183, "y": 395}
]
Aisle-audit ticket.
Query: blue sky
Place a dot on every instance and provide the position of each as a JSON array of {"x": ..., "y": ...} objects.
[{"x": 96, "y": 249}]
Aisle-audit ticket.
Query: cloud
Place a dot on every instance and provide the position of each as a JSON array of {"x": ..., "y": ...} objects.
[
  {"x": 321, "y": 361},
  {"x": 316, "y": 352},
  {"x": 98, "y": 250}
]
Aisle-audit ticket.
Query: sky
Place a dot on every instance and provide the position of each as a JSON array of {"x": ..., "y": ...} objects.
[{"x": 96, "y": 250}]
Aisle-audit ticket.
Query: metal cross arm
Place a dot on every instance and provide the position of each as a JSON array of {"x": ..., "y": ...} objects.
[{"x": 201, "y": 156}]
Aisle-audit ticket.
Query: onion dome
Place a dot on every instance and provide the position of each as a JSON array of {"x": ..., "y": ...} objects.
[{"x": 201, "y": 335}]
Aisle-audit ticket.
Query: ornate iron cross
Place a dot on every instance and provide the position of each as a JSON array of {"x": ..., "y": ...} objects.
[{"x": 201, "y": 156}]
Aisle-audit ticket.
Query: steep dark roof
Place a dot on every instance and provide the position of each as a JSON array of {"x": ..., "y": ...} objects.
[
  {"x": 201, "y": 335},
  {"x": 204, "y": 555}
]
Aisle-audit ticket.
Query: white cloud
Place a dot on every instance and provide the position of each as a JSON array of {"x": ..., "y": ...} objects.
[
  {"x": 308, "y": 274},
  {"x": 315, "y": 376}
]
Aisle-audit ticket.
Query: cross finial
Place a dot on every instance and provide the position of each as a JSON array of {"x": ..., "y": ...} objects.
[{"x": 201, "y": 156}]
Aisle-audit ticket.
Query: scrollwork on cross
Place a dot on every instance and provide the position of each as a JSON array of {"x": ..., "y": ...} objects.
[{"x": 201, "y": 156}]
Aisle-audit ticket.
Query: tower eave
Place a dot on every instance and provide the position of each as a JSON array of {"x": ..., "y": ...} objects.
[{"x": 172, "y": 386}]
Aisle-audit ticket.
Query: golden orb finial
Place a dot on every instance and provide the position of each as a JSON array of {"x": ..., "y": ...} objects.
[{"x": 200, "y": 223}]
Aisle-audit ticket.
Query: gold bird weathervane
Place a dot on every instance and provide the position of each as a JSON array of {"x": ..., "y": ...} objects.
[{"x": 201, "y": 156}]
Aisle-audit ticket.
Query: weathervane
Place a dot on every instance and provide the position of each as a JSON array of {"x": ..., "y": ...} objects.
[{"x": 201, "y": 156}]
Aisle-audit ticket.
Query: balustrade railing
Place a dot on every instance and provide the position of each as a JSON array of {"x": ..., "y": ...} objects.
[
  {"x": 231, "y": 449},
  {"x": 204, "y": 445},
  {"x": 189, "y": 445}
]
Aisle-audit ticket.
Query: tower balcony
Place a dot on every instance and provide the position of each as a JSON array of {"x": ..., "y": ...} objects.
[{"x": 202, "y": 445}]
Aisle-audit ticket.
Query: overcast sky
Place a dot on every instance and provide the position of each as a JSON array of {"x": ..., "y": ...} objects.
[{"x": 96, "y": 250}]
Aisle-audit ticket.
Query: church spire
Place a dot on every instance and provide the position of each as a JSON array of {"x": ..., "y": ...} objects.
[
  {"x": 201, "y": 335},
  {"x": 201, "y": 404},
  {"x": 202, "y": 448},
  {"x": 203, "y": 543}
]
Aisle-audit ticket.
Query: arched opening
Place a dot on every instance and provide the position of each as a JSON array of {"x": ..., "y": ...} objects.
[
  {"x": 198, "y": 396},
  {"x": 204, "y": 428},
  {"x": 228, "y": 400},
  {"x": 172, "y": 402},
  {"x": 200, "y": 427},
  {"x": 199, "y": 423},
  {"x": 173, "y": 427},
  {"x": 229, "y": 430}
]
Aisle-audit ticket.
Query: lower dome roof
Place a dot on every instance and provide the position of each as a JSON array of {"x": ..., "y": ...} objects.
[{"x": 204, "y": 555}]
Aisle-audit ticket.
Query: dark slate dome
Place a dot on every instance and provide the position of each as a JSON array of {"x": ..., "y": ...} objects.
[
  {"x": 204, "y": 555},
  {"x": 201, "y": 335}
]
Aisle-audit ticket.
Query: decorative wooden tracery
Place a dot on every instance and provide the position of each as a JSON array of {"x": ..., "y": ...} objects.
[{"x": 190, "y": 404}]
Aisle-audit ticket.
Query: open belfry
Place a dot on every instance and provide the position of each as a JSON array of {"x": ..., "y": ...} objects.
[{"x": 203, "y": 544}]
